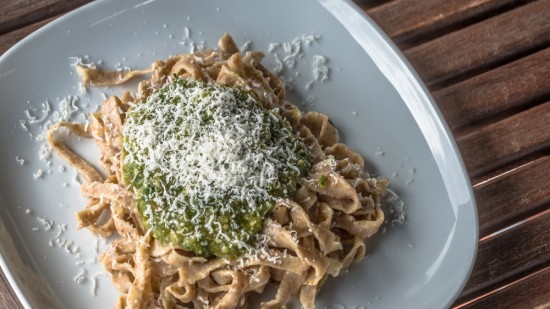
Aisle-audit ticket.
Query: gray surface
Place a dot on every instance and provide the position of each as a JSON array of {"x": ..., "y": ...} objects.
[{"x": 372, "y": 97}]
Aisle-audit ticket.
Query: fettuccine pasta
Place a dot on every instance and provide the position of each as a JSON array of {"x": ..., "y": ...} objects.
[{"x": 316, "y": 233}]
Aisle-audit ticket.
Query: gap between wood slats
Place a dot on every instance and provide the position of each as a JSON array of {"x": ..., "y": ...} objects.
[
  {"x": 509, "y": 255},
  {"x": 411, "y": 25},
  {"x": 514, "y": 196},
  {"x": 16, "y": 14},
  {"x": 482, "y": 46},
  {"x": 531, "y": 291}
]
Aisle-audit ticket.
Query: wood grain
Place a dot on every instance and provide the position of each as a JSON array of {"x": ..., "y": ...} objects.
[
  {"x": 19, "y": 13},
  {"x": 493, "y": 93},
  {"x": 506, "y": 140},
  {"x": 482, "y": 46},
  {"x": 519, "y": 294},
  {"x": 7, "y": 296},
  {"x": 509, "y": 255},
  {"x": 513, "y": 196},
  {"x": 408, "y": 24}
]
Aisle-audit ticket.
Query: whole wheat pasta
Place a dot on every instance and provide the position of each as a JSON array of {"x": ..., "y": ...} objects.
[{"x": 316, "y": 233}]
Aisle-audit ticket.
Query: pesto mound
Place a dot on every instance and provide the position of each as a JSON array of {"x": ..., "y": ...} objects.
[{"x": 206, "y": 163}]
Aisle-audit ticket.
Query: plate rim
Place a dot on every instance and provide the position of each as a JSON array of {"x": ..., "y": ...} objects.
[{"x": 418, "y": 84}]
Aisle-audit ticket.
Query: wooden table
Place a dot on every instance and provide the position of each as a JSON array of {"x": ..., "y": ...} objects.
[{"x": 487, "y": 64}]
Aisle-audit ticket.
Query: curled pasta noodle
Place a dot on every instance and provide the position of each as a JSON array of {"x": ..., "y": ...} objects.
[
  {"x": 315, "y": 234},
  {"x": 94, "y": 77}
]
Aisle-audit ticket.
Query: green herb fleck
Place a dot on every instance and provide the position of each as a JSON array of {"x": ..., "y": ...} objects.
[{"x": 323, "y": 181}]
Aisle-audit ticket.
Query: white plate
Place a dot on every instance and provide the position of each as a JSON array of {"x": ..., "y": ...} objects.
[{"x": 373, "y": 97}]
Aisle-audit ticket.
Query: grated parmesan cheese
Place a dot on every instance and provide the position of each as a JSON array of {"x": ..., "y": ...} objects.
[
  {"x": 20, "y": 161},
  {"x": 321, "y": 70},
  {"x": 227, "y": 149},
  {"x": 47, "y": 224},
  {"x": 23, "y": 124},
  {"x": 287, "y": 56},
  {"x": 278, "y": 64},
  {"x": 272, "y": 47},
  {"x": 245, "y": 47},
  {"x": 397, "y": 207},
  {"x": 45, "y": 112},
  {"x": 81, "y": 276},
  {"x": 38, "y": 174}
]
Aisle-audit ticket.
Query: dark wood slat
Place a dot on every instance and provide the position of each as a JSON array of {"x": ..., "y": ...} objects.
[
  {"x": 406, "y": 24},
  {"x": 513, "y": 196},
  {"x": 19, "y": 13},
  {"x": 520, "y": 294},
  {"x": 510, "y": 87},
  {"x": 7, "y": 296},
  {"x": 509, "y": 255},
  {"x": 506, "y": 140},
  {"x": 483, "y": 45},
  {"x": 367, "y": 4},
  {"x": 9, "y": 39}
]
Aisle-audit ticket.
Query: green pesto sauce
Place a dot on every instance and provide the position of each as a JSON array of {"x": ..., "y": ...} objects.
[{"x": 226, "y": 222}]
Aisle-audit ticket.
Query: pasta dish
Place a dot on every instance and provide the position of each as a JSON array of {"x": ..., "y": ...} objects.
[{"x": 216, "y": 186}]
